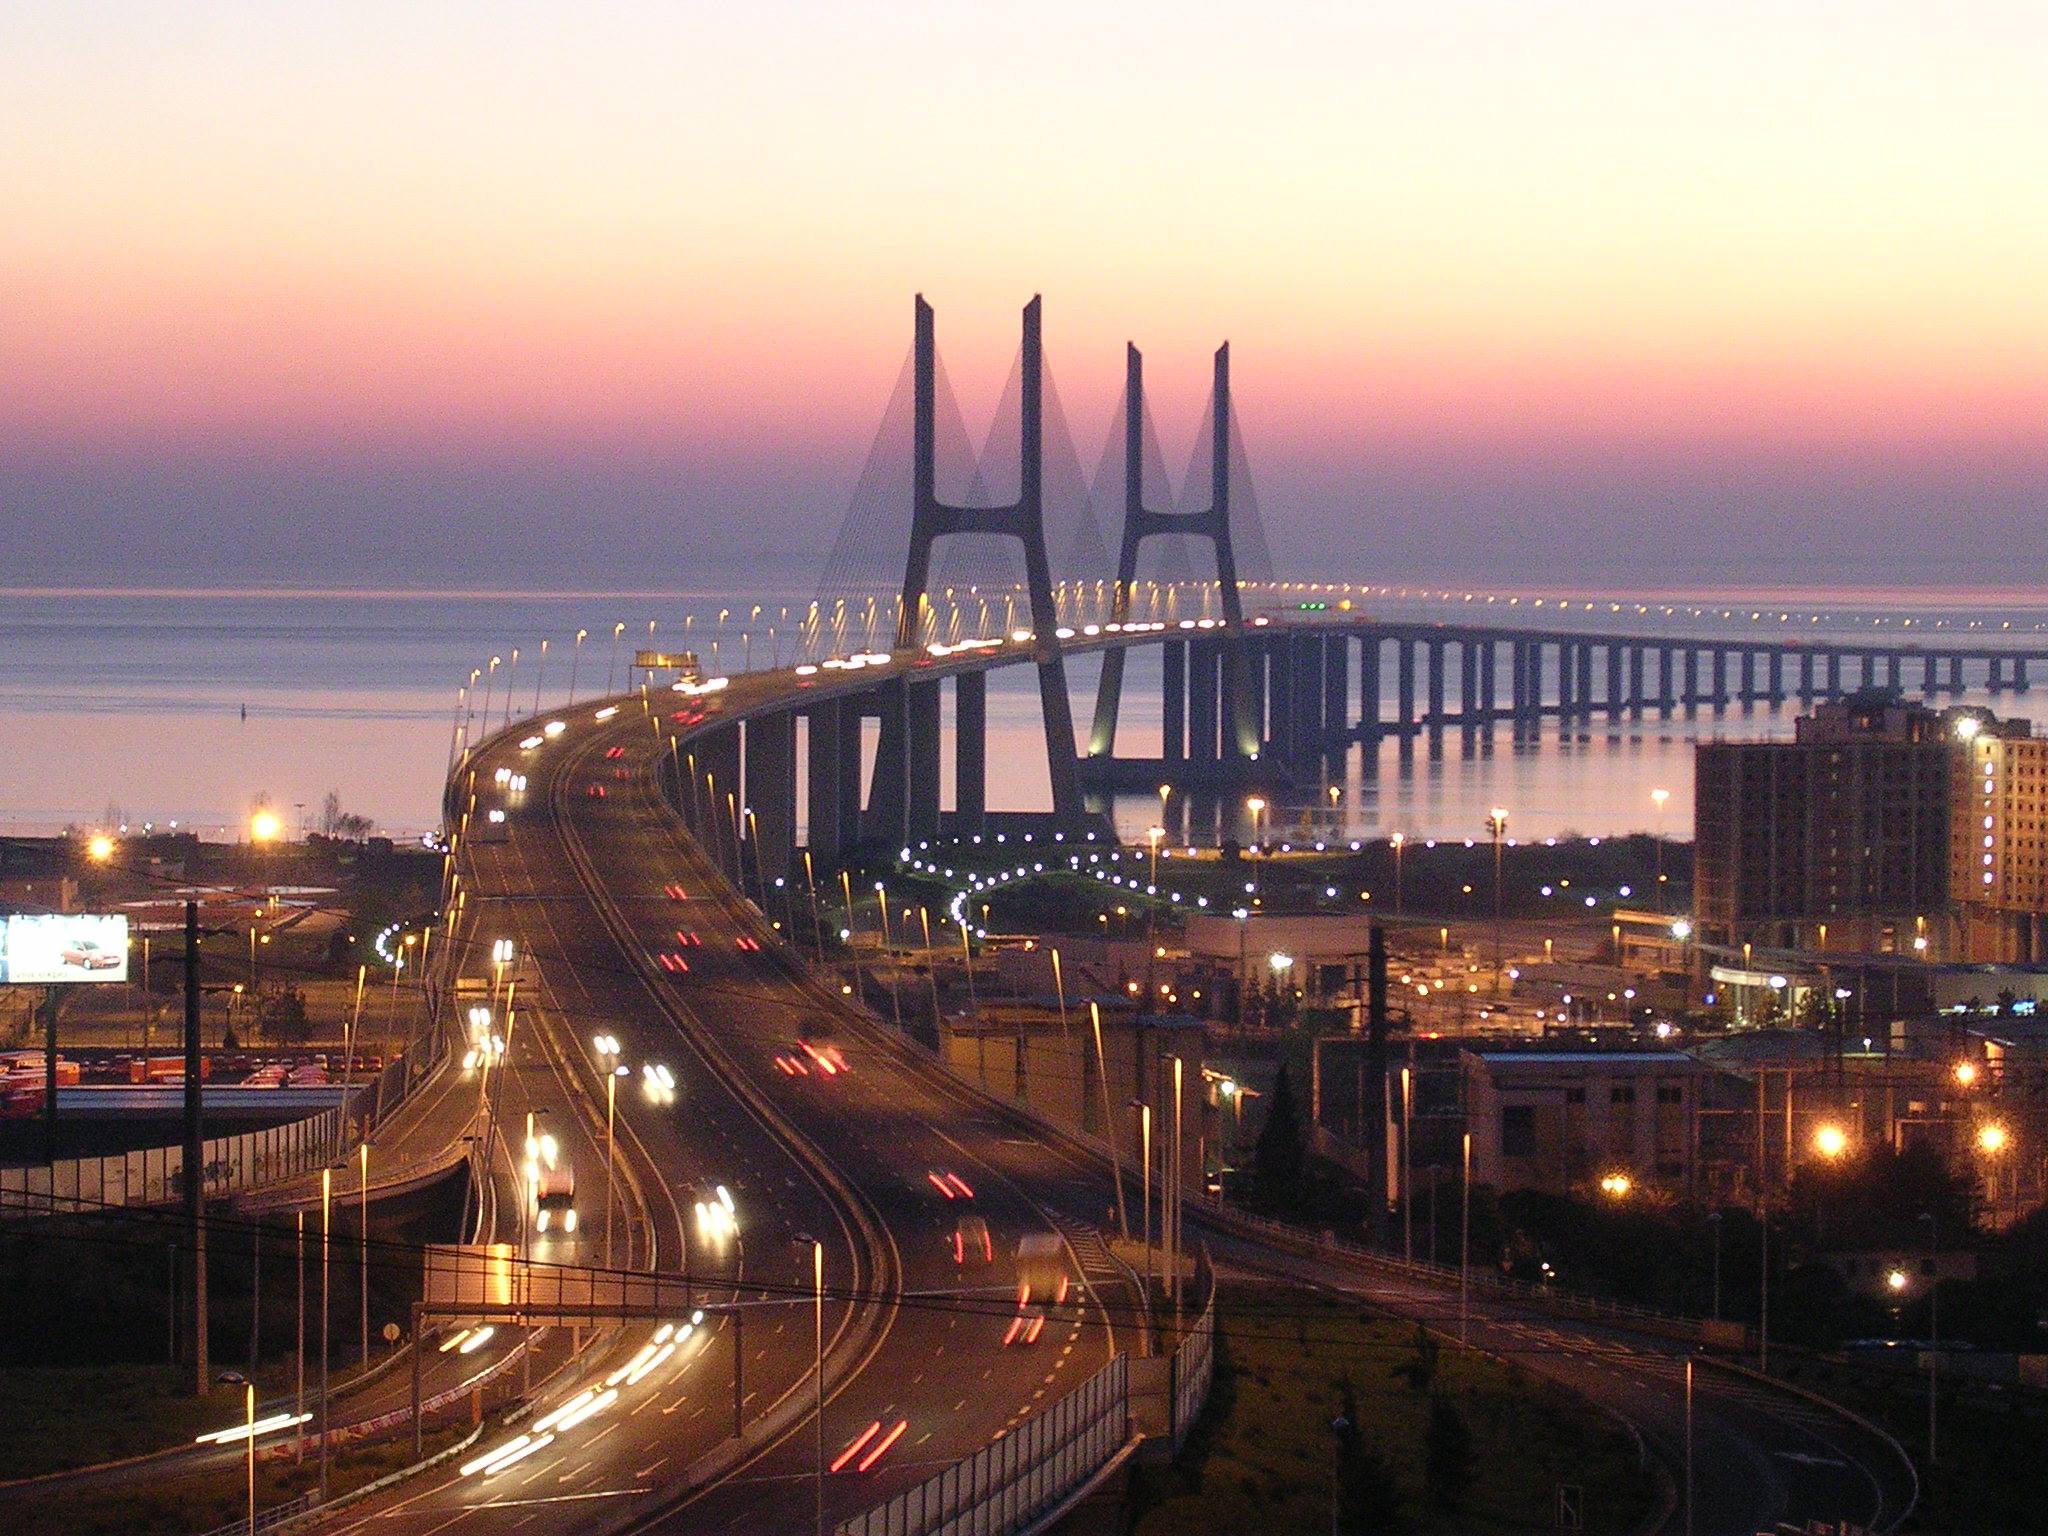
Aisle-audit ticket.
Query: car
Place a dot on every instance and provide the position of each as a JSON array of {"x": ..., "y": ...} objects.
[
  {"x": 87, "y": 955},
  {"x": 596, "y": 791},
  {"x": 972, "y": 1245},
  {"x": 614, "y": 753}
]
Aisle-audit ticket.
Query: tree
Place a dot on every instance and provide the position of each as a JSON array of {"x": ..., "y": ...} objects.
[
  {"x": 330, "y": 812},
  {"x": 1368, "y": 1494},
  {"x": 284, "y": 1017},
  {"x": 1447, "y": 1453},
  {"x": 1279, "y": 1161}
]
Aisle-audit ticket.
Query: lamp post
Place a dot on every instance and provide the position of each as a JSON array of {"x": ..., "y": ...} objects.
[
  {"x": 1399, "y": 841},
  {"x": 363, "y": 1246},
  {"x": 1497, "y": 824},
  {"x": 612, "y": 663},
  {"x": 510, "y": 667},
  {"x": 575, "y": 659},
  {"x": 1152, "y": 836},
  {"x": 539, "y": 671},
  {"x": 326, "y": 1241},
  {"x": 607, "y": 1047},
  {"x": 1465, "y": 1245}
]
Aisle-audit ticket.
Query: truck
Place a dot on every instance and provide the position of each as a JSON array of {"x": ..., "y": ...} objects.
[{"x": 1042, "y": 1278}]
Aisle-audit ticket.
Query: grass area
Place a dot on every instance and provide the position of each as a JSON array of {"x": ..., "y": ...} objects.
[
  {"x": 54, "y": 1418},
  {"x": 205, "y": 1501},
  {"x": 1441, "y": 1444},
  {"x": 57, "y": 1417}
]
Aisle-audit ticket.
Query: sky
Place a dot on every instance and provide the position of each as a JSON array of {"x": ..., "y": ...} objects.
[{"x": 1518, "y": 291}]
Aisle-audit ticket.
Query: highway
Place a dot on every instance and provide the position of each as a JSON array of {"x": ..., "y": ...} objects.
[{"x": 878, "y": 1162}]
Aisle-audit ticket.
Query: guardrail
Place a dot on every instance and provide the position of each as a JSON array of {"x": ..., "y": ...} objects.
[
  {"x": 1006, "y": 1486},
  {"x": 271, "y": 1519},
  {"x": 156, "y": 1175},
  {"x": 1194, "y": 1363}
]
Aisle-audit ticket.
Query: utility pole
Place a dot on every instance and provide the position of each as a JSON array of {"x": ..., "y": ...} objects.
[
  {"x": 195, "y": 1149},
  {"x": 1375, "y": 1109}
]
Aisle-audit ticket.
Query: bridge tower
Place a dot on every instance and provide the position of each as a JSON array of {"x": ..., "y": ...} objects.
[
  {"x": 1213, "y": 524},
  {"x": 1024, "y": 520}
]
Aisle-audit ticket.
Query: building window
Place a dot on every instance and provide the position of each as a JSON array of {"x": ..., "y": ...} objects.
[
  {"x": 1575, "y": 1095},
  {"x": 1670, "y": 1094},
  {"x": 1621, "y": 1096}
]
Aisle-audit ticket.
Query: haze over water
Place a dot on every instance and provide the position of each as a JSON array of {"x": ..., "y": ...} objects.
[{"x": 132, "y": 703}]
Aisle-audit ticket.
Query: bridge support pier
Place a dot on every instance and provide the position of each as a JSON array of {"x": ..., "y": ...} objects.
[
  {"x": 832, "y": 748},
  {"x": 970, "y": 752},
  {"x": 1369, "y": 690},
  {"x": 769, "y": 748}
]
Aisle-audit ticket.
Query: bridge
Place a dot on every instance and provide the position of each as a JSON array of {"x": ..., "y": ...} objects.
[
  {"x": 621, "y": 870},
  {"x": 846, "y": 1370}
]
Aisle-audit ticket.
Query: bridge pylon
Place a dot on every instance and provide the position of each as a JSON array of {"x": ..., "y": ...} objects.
[
  {"x": 1024, "y": 520},
  {"x": 1212, "y": 523}
]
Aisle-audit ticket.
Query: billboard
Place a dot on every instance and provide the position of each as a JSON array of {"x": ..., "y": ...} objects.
[{"x": 42, "y": 948}]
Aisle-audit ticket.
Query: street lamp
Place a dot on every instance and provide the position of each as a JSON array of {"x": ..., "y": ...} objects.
[
  {"x": 607, "y": 1048},
  {"x": 1831, "y": 1141},
  {"x": 1399, "y": 841},
  {"x": 1497, "y": 824},
  {"x": 1965, "y": 1074},
  {"x": 575, "y": 657},
  {"x": 99, "y": 848},
  {"x": 1616, "y": 1186}
]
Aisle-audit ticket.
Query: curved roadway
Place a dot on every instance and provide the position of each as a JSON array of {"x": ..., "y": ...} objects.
[{"x": 586, "y": 886}]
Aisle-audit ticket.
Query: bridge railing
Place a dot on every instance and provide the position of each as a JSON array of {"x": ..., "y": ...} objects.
[{"x": 1009, "y": 1485}]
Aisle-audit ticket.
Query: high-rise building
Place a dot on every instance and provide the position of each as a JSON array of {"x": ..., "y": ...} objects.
[
  {"x": 1998, "y": 844},
  {"x": 1837, "y": 839}
]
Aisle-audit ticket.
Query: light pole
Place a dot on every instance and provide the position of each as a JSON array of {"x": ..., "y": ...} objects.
[
  {"x": 818, "y": 1291},
  {"x": 1123, "y": 1223},
  {"x": 1399, "y": 841},
  {"x": 607, "y": 1048},
  {"x": 1497, "y": 824},
  {"x": 575, "y": 660},
  {"x": 1152, "y": 835},
  {"x": 510, "y": 667},
  {"x": 363, "y": 1244},
  {"x": 490, "y": 676},
  {"x": 326, "y": 1236},
  {"x": 539, "y": 670},
  {"x": 1465, "y": 1246},
  {"x": 1408, "y": 1165}
]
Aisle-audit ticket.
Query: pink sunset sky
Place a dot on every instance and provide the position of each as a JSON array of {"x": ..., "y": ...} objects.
[{"x": 1650, "y": 294}]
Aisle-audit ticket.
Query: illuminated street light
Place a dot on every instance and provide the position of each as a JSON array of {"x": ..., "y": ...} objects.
[
  {"x": 1895, "y": 1279},
  {"x": 1831, "y": 1141},
  {"x": 1681, "y": 930},
  {"x": 1967, "y": 727},
  {"x": 99, "y": 848},
  {"x": 1992, "y": 1138},
  {"x": 1281, "y": 963},
  {"x": 265, "y": 826},
  {"x": 1616, "y": 1186},
  {"x": 1966, "y": 1073}
]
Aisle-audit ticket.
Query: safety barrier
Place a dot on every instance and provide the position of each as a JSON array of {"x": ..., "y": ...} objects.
[
  {"x": 1008, "y": 1485},
  {"x": 156, "y": 1175},
  {"x": 1194, "y": 1362}
]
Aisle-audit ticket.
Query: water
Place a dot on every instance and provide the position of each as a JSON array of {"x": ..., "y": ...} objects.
[{"x": 193, "y": 706}]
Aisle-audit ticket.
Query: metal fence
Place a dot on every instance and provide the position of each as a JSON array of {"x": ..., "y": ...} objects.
[
  {"x": 156, "y": 1175},
  {"x": 1194, "y": 1367},
  {"x": 272, "y": 1518},
  {"x": 1006, "y": 1486}
]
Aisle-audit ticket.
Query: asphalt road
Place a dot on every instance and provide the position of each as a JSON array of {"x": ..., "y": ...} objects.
[{"x": 581, "y": 884}]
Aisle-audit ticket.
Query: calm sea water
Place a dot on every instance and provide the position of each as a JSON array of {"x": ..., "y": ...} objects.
[{"x": 134, "y": 706}]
